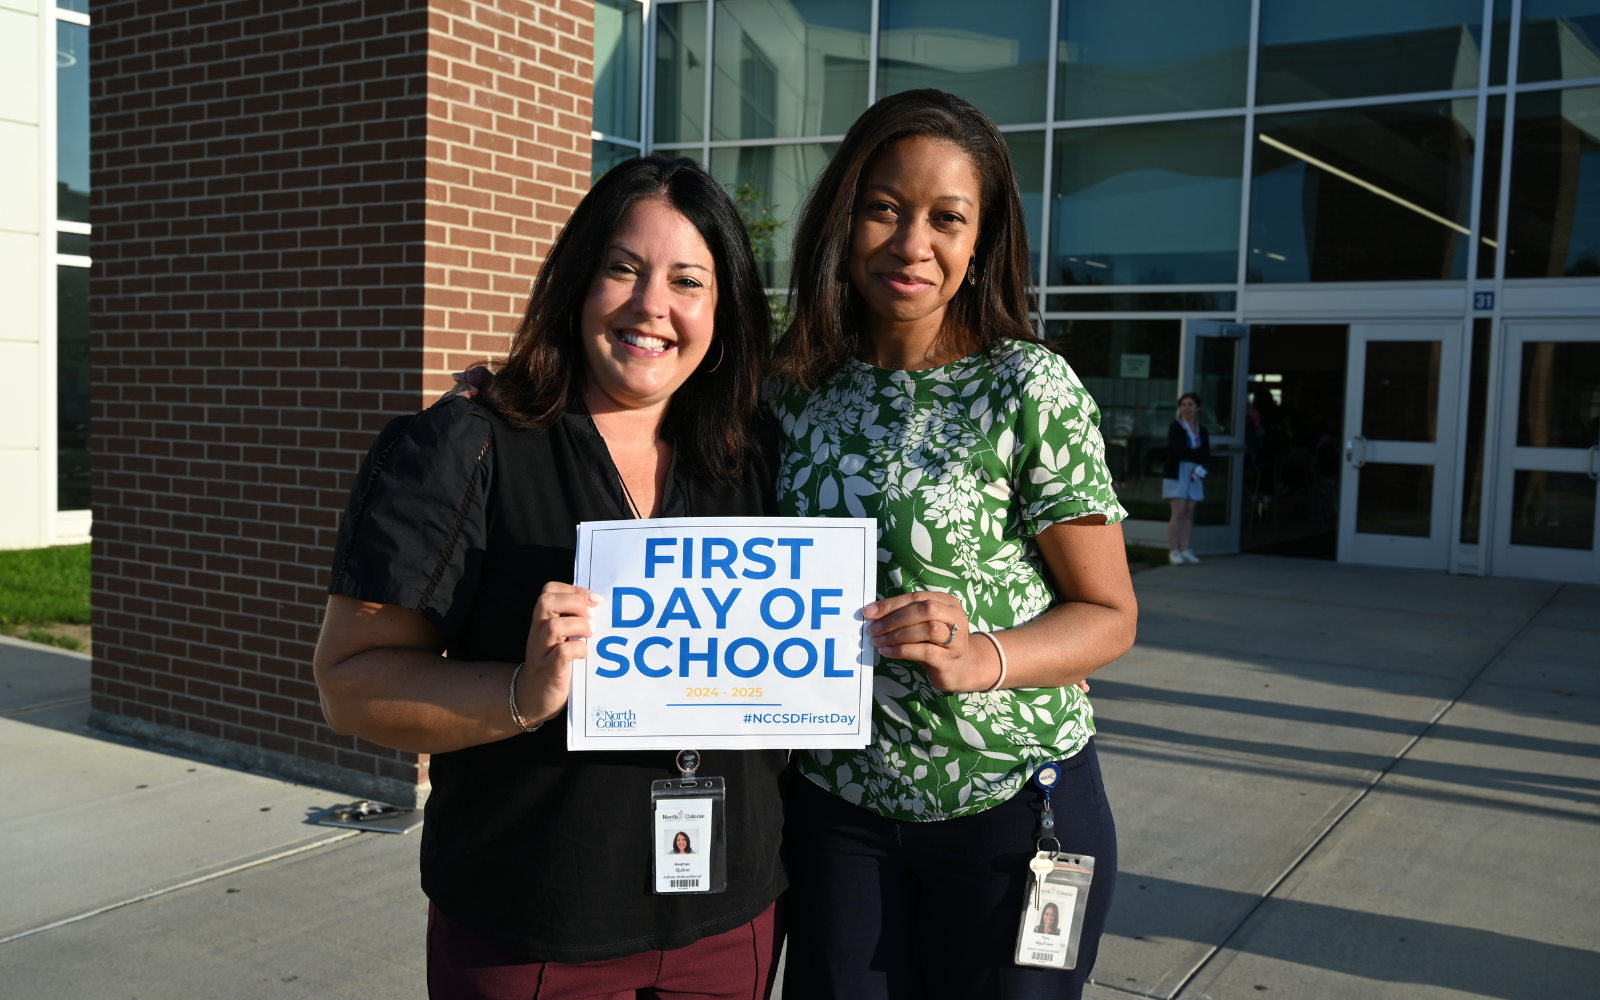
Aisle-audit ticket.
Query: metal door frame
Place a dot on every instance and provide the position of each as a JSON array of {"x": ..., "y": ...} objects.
[
  {"x": 1220, "y": 539},
  {"x": 1434, "y": 551},
  {"x": 1536, "y": 562}
]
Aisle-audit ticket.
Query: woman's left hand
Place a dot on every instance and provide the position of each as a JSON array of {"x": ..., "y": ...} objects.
[{"x": 916, "y": 627}]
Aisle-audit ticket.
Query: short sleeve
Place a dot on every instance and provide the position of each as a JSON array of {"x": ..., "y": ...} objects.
[
  {"x": 413, "y": 534},
  {"x": 1059, "y": 463}
]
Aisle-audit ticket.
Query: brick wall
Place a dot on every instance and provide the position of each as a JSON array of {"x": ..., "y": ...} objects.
[
  {"x": 510, "y": 89},
  {"x": 300, "y": 208}
]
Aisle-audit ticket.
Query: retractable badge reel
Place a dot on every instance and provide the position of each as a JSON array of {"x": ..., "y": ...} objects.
[
  {"x": 689, "y": 844},
  {"x": 1058, "y": 892}
]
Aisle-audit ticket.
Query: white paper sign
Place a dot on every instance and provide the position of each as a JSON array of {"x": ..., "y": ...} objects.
[{"x": 725, "y": 633}]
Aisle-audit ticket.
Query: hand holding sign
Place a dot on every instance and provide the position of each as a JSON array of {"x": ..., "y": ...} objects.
[{"x": 561, "y": 623}]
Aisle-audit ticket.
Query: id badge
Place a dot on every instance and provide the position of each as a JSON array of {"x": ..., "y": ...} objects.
[
  {"x": 1052, "y": 912},
  {"x": 689, "y": 839}
]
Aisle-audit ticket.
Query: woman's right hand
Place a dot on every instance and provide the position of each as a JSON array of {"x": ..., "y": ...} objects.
[{"x": 555, "y": 639}]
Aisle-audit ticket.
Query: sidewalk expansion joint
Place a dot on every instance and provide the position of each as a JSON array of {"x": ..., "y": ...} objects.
[
  {"x": 1316, "y": 841},
  {"x": 181, "y": 885}
]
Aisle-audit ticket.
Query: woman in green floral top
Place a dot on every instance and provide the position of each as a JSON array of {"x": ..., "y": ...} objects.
[{"x": 912, "y": 388}]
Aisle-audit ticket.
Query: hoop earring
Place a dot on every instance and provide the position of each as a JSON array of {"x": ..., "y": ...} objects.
[
  {"x": 720, "y": 355},
  {"x": 972, "y": 272}
]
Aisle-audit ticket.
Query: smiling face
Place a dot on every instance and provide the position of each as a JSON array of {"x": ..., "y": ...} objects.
[
  {"x": 680, "y": 843},
  {"x": 1048, "y": 918},
  {"x": 649, "y": 316},
  {"x": 915, "y": 231},
  {"x": 1188, "y": 409}
]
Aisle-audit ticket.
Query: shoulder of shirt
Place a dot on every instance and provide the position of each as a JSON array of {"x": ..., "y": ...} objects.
[
  {"x": 453, "y": 423},
  {"x": 1018, "y": 361}
]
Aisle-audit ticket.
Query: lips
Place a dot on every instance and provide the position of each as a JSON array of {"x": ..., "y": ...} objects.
[
  {"x": 643, "y": 344},
  {"x": 904, "y": 284}
]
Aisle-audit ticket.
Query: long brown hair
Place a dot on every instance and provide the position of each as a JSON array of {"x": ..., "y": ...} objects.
[
  {"x": 827, "y": 310},
  {"x": 711, "y": 417}
]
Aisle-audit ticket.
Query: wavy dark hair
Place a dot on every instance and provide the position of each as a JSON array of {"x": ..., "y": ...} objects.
[
  {"x": 827, "y": 309},
  {"x": 711, "y": 417}
]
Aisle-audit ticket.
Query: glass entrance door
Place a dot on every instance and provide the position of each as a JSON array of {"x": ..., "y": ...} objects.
[
  {"x": 1549, "y": 454},
  {"x": 1213, "y": 365},
  {"x": 1399, "y": 454}
]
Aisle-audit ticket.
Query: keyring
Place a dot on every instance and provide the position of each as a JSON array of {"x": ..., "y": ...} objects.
[{"x": 953, "y": 631}]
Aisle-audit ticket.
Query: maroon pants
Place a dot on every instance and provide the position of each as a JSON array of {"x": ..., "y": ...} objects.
[{"x": 734, "y": 965}]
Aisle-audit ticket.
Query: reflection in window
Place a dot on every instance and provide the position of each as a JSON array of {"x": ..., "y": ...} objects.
[
  {"x": 1494, "y": 133},
  {"x": 618, "y": 61},
  {"x": 1500, "y": 43},
  {"x": 1027, "y": 159},
  {"x": 1553, "y": 221},
  {"x": 607, "y": 155},
  {"x": 72, "y": 388},
  {"x": 768, "y": 183},
  {"x": 1313, "y": 50},
  {"x": 1560, "y": 40},
  {"x": 1559, "y": 405},
  {"x": 1395, "y": 500},
  {"x": 1146, "y": 204},
  {"x": 72, "y": 122},
  {"x": 994, "y": 55},
  {"x": 680, "y": 90},
  {"x": 1363, "y": 194},
  {"x": 1138, "y": 57},
  {"x": 1130, "y": 368},
  {"x": 1552, "y": 509},
  {"x": 1190, "y": 302},
  {"x": 789, "y": 67},
  {"x": 1400, "y": 397}
]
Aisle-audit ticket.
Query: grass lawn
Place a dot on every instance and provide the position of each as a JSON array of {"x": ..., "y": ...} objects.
[{"x": 44, "y": 587}]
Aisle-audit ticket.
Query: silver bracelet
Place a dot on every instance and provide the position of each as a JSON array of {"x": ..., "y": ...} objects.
[
  {"x": 522, "y": 723},
  {"x": 1002, "y": 651}
]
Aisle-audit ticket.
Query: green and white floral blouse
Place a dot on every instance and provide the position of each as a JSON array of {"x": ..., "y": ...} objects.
[{"x": 962, "y": 466}]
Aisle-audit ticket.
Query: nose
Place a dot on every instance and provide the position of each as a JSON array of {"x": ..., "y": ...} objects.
[
  {"x": 911, "y": 241},
  {"x": 651, "y": 295}
]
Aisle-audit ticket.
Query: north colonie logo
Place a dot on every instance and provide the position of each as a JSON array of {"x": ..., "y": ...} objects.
[{"x": 605, "y": 719}]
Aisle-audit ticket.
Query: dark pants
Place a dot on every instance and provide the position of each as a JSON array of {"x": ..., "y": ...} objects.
[
  {"x": 884, "y": 910},
  {"x": 734, "y": 965}
]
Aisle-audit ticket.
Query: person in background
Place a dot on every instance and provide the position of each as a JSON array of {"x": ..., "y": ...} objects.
[
  {"x": 629, "y": 391},
  {"x": 1188, "y": 450},
  {"x": 912, "y": 388}
]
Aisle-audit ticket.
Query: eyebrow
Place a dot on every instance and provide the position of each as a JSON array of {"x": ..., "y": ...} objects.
[
  {"x": 680, "y": 265},
  {"x": 888, "y": 189}
]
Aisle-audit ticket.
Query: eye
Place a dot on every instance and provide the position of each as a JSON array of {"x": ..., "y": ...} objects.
[
  {"x": 879, "y": 207},
  {"x": 687, "y": 282},
  {"x": 949, "y": 218},
  {"x": 619, "y": 269}
]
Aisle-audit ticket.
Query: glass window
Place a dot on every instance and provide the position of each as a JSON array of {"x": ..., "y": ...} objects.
[
  {"x": 789, "y": 67},
  {"x": 1477, "y": 415},
  {"x": 1494, "y": 134},
  {"x": 769, "y": 183},
  {"x": 1559, "y": 40},
  {"x": 1552, "y": 509},
  {"x": 1395, "y": 500},
  {"x": 607, "y": 155},
  {"x": 1147, "y": 204},
  {"x": 1553, "y": 222},
  {"x": 1027, "y": 159},
  {"x": 72, "y": 388},
  {"x": 1559, "y": 405},
  {"x": 618, "y": 63},
  {"x": 1130, "y": 368},
  {"x": 1137, "y": 57},
  {"x": 680, "y": 91},
  {"x": 1500, "y": 43},
  {"x": 1363, "y": 194},
  {"x": 72, "y": 122},
  {"x": 1144, "y": 302},
  {"x": 79, "y": 6},
  {"x": 1400, "y": 400},
  {"x": 993, "y": 55},
  {"x": 1313, "y": 50}
]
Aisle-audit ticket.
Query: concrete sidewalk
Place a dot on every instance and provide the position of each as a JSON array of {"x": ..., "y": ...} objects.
[{"x": 1329, "y": 781}]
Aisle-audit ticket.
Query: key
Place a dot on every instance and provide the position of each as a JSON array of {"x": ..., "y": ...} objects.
[{"x": 1041, "y": 865}]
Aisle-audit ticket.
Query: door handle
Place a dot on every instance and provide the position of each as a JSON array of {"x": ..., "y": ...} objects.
[
  {"x": 1594, "y": 467},
  {"x": 1355, "y": 451}
]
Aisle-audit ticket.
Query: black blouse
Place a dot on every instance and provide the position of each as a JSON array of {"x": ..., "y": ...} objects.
[{"x": 542, "y": 851}]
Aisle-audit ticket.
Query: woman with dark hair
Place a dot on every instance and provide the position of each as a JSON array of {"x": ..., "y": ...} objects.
[
  {"x": 1049, "y": 920},
  {"x": 680, "y": 843},
  {"x": 1188, "y": 450},
  {"x": 911, "y": 388},
  {"x": 629, "y": 391}
]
